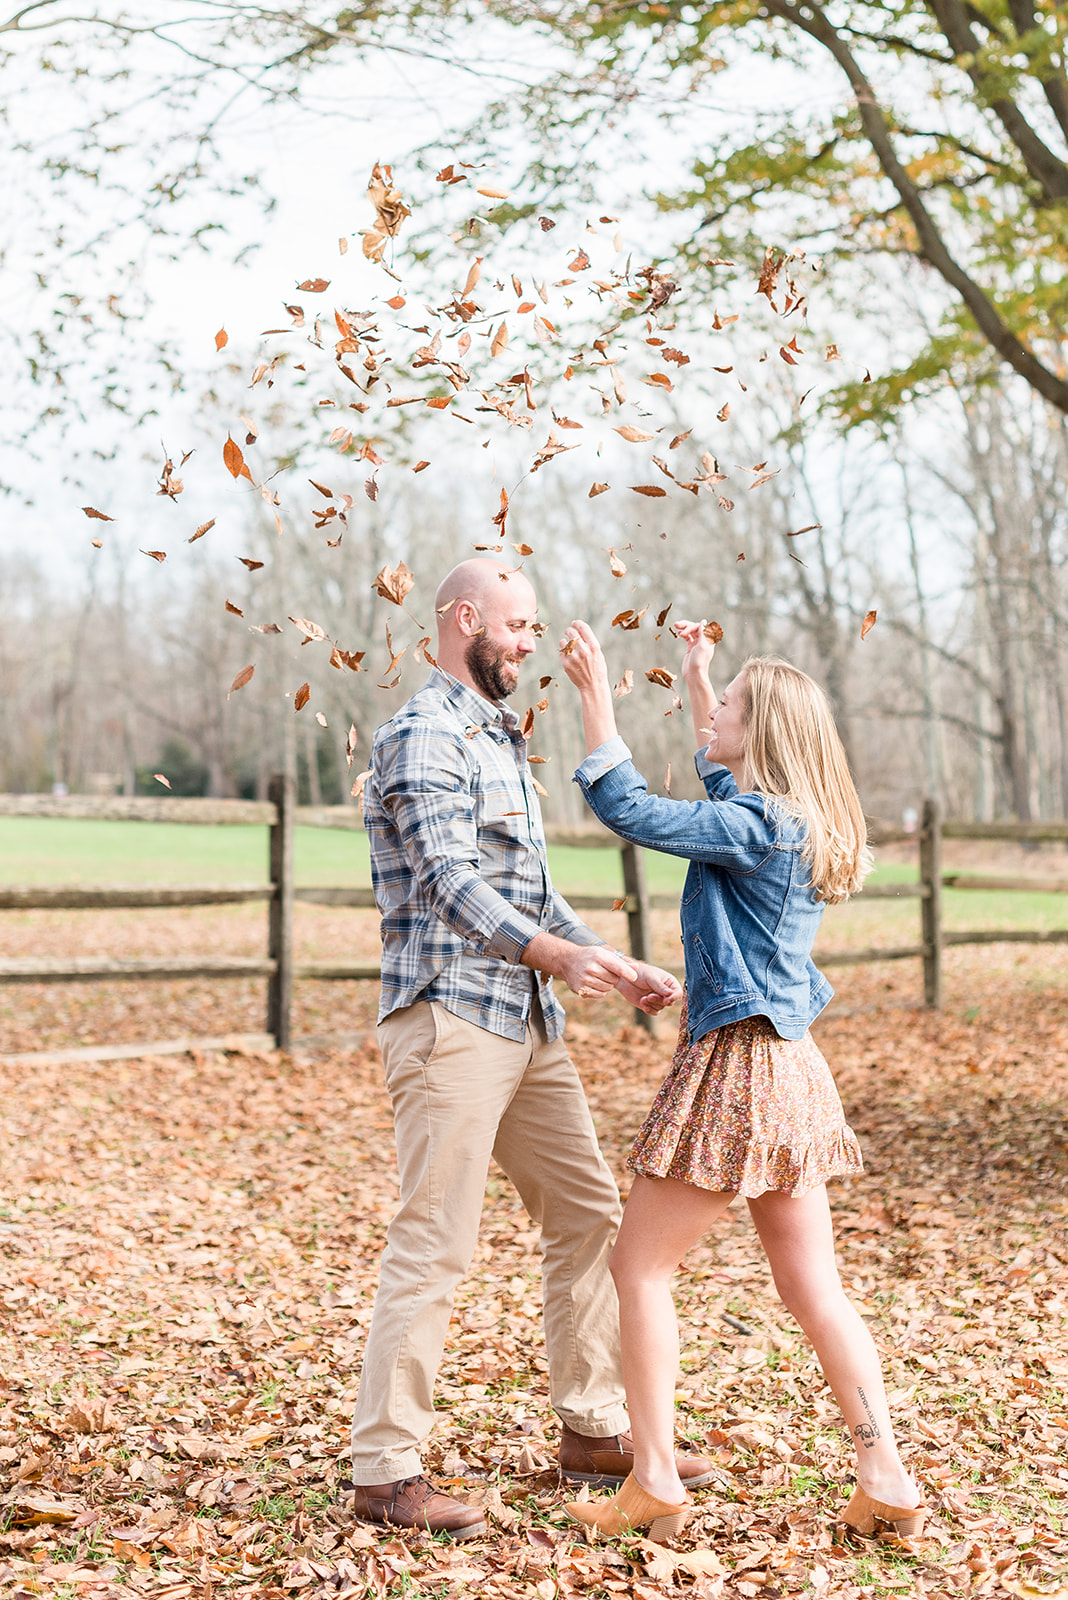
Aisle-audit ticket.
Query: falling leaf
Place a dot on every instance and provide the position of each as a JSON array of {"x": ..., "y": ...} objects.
[
  {"x": 205, "y": 527},
  {"x": 629, "y": 619},
  {"x": 539, "y": 788},
  {"x": 661, "y": 616},
  {"x": 680, "y": 438},
  {"x": 831, "y": 353},
  {"x": 580, "y": 262},
  {"x": 667, "y": 779},
  {"x": 523, "y": 549},
  {"x": 370, "y": 487},
  {"x": 595, "y": 490},
  {"x": 157, "y": 555},
  {"x": 392, "y": 585},
  {"x": 302, "y": 696},
  {"x": 713, "y": 632},
  {"x": 351, "y": 739},
  {"x": 396, "y": 302},
  {"x": 101, "y": 516},
  {"x": 786, "y": 356},
  {"x": 243, "y": 677},
  {"x": 235, "y": 611},
  {"x": 247, "y": 561},
  {"x": 323, "y": 490},
  {"x": 390, "y": 212},
  {"x": 625, "y": 684},
  {"x": 313, "y": 286},
  {"x": 660, "y": 380},
  {"x": 312, "y": 632},
  {"x": 545, "y": 224},
  {"x": 619, "y": 569},
  {"x": 221, "y": 338},
  {"x": 166, "y": 782},
  {"x": 723, "y": 413},
  {"x": 634, "y": 435},
  {"x": 421, "y": 466},
  {"x": 810, "y": 528},
  {"x": 662, "y": 676},
  {"x": 870, "y": 619},
  {"x": 320, "y": 719},
  {"x": 234, "y": 461},
  {"x": 653, "y": 490},
  {"x": 98, "y": 544},
  {"x": 494, "y": 194},
  {"x": 500, "y": 340},
  {"x": 264, "y": 627}
]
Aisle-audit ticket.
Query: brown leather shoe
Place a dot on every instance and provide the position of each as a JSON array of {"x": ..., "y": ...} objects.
[
  {"x": 606, "y": 1463},
  {"x": 415, "y": 1503}
]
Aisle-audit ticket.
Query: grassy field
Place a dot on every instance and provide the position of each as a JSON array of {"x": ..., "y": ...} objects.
[{"x": 51, "y": 851}]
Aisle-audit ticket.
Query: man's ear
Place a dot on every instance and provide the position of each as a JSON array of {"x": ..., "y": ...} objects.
[{"x": 467, "y": 619}]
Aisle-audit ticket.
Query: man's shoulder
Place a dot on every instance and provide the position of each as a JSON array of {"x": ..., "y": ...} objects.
[{"x": 429, "y": 711}]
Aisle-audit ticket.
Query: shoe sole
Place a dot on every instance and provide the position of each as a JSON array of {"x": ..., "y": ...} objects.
[
  {"x": 471, "y": 1532},
  {"x": 601, "y": 1480}
]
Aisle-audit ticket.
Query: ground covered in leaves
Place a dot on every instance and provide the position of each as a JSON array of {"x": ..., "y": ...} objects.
[{"x": 188, "y": 1250}]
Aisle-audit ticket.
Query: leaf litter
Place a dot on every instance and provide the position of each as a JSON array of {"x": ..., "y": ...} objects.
[{"x": 188, "y": 1254}]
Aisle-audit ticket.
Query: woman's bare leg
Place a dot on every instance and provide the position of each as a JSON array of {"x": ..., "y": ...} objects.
[
  {"x": 799, "y": 1241},
  {"x": 663, "y": 1219}
]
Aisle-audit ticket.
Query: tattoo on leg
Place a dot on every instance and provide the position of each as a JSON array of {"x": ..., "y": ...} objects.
[{"x": 867, "y": 1432}]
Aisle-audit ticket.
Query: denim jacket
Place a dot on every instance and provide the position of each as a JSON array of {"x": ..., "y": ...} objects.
[{"x": 749, "y": 914}]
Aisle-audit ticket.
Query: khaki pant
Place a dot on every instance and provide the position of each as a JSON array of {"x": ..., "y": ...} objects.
[{"x": 460, "y": 1095}]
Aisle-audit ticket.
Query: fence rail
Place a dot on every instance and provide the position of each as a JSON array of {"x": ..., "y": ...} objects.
[{"x": 280, "y": 815}]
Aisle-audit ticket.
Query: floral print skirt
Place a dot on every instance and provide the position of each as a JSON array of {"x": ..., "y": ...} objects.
[{"x": 745, "y": 1111}]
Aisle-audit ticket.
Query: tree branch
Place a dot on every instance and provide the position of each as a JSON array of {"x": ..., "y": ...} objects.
[{"x": 811, "y": 20}]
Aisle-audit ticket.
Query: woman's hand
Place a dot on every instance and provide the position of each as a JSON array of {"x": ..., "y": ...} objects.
[
  {"x": 652, "y": 990},
  {"x": 583, "y": 661},
  {"x": 699, "y": 648}
]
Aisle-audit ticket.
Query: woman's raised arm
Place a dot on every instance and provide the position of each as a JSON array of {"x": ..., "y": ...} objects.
[{"x": 583, "y": 660}]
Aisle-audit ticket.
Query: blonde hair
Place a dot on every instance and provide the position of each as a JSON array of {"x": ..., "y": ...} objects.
[{"x": 794, "y": 756}]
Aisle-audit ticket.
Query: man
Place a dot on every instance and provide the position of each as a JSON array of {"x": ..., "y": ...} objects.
[{"x": 475, "y": 1065}]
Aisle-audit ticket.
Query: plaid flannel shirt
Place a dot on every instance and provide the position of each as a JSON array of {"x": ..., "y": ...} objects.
[{"x": 458, "y": 861}]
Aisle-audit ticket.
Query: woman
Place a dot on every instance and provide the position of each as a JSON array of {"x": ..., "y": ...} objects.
[{"x": 749, "y": 1106}]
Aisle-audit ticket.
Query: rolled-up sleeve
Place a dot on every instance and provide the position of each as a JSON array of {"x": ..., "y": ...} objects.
[{"x": 423, "y": 777}]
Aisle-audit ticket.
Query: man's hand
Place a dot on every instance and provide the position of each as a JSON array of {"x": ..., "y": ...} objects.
[
  {"x": 587, "y": 969},
  {"x": 652, "y": 990}
]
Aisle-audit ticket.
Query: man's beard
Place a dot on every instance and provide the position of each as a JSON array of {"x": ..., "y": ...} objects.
[{"x": 486, "y": 665}]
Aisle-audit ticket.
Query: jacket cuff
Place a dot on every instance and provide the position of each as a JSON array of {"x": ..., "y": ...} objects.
[{"x": 606, "y": 756}]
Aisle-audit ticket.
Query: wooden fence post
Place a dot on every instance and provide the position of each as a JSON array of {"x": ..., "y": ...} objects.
[
  {"x": 931, "y": 904},
  {"x": 639, "y": 926},
  {"x": 280, "y": 792}
]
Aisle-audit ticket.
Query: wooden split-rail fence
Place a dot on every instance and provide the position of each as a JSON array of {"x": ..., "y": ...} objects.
[{"x": 280, "y": 814}]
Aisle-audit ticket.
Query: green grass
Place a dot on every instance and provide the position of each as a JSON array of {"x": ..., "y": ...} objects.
[{"x": 56, "y": 850}]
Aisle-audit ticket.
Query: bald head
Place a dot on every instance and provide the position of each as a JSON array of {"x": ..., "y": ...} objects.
[
  {"x": 486, "y": 615},
  {"x": 479, "y": 581}
]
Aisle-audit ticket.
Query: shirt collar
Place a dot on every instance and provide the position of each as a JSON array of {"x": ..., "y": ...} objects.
[{"x": 471, "y": 705}]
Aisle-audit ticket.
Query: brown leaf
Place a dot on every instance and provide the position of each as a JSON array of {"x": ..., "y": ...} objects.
[
  {"x": 494, "y": 194},
  {"x": 166, "y": 782},
  {"x": 393, "y": 586},
  {"x": 620, "y": 905},
  {"x": 264, "y": 627},
  {"x": 662, "y": 676},
  {"x": 312, "y": 632},
  {"x": 157, "y": 555},
  {"x": 243, "y": 677},
  {"x": 421, "y": 466},
  {"x": 580, "y": 262},
  {"x": 313, "y": 286},
  {"x": 723, "y": 413},
  {"x": 370, "y": 488},
  {"x": 629, "y": 619},
  {"x": 652, "y": 490},
  {"x": 500, "y": 340},
  {"x": 351, "y": 740},
  {"x": 235, "y": 611},
  {"x": 619, "y": 569},
  {"x": 302, "y": 696},
  {"x": 713, "y": 632},
  {"x": 595, "y": 490},
  {"x": 101, "y": 516},
  {"x": 221, "y": 338},
  {"x": 625, "y": 684},
  {"x": 634, "y": 435},
  {"x": 247, "y": 561},
  {"x": 667, "y": 779},
  {"x": 868, "y": 624},
  {"x": 659, "y": 380},
  {"x": 390, "y": 212},
  {"x": 205, "y": 527},
  {"x": 809, "y": 528},
  {"x": 539, "y": 788},
  {"x": 234, "y": 461},
  {"x": 323, "y": 490}
]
